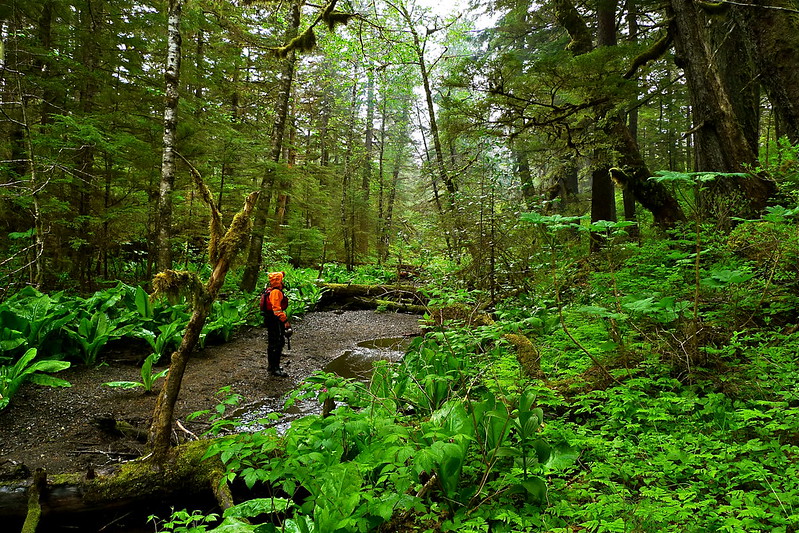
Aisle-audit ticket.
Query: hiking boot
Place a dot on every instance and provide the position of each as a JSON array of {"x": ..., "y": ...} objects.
[{"x": 278, "y": 372}]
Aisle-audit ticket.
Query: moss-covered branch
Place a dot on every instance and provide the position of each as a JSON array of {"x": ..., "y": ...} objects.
[
  {"x": 222, "y": 251},
  {"x": 306, "y": 41},
  {"x": 650, "y": 54}
]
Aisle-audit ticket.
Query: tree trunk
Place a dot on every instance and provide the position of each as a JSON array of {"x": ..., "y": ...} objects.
[
  {"x": 222, "y": 252},
  {"x": 172, "y": 97},
  {"x": 525, "y": 176},
  {"x": 160, "y": 434},
  {"x": 135, "y": 486},
  {"x": 603, "y": 202},
  {"x": 369, "y": 134},
  {"x": 347, "y": 211},
  {"x": 628, "y": 198},
  {"x": 366, "y": 296},
  {"x": 91, "y": 19},
  {"x": 364, "y": 213},
  {"x": 254, "y": 259},
  {"x": 721, "y": 142},
  {"x": 382, "y": 186},
  {"x": 424, "y": 71},
  {"x": 772, "y": 31},
  {"x": 651, "y": 195},
  {"x": 603, "y": 193}
]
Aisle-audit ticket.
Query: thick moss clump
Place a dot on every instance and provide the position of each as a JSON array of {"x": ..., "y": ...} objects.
[
  {"x": 527, "y": 354},
  {"x": 185, "y": 471}
]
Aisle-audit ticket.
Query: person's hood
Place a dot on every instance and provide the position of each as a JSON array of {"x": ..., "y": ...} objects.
[{"x": 276, "y": 279}]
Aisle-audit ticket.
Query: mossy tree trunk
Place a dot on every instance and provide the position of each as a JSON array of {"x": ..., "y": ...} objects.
[
  {"x": 133, "y": 486},
  {"x": 223, "y": 248},
  {"x": 404, "y": 297},
  {"x": 772, "y": 31},
  {"x": 720, "y": 116}
]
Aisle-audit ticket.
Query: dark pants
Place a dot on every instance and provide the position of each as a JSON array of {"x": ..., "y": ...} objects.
[{"x": 275, "y": 342}]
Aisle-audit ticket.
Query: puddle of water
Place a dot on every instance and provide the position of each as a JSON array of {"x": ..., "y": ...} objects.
[
  {"x": 358, "y": 362},
  {"x": 355, "y": 364}
]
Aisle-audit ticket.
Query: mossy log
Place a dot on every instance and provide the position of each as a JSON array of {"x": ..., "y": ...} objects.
[
  {"x": 399, "y": 307},
  {"x": 34, "y": 511},
  {"x": 527, "y": 354},
  {"x": 358, "y": 296},
  {"x": 132, "y": 485},
  {"x": 469, "y": 315}
]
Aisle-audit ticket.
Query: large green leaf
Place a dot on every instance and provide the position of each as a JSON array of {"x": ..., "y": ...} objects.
[
  {"x": 10, "y": 339},
  {"x": 143, "y": 304},
  {"x": 536, "y": 488},
  {"x": 543, "y": 450},
  {"x": 49, "y": 381}
]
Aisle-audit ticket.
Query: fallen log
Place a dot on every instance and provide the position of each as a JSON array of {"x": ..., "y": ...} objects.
[
  {"x": 131, "y": 486},
  {"x": 358, "y": 296},
  {"x": 34, "y": 502},
  {"x": 400, "y": 307}
]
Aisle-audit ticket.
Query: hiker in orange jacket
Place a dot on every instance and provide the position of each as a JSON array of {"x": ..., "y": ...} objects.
[{"x": 273, "y": 307}]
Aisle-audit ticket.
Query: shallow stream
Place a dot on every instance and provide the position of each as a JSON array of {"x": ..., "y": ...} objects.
[{"x": 356, "y": 364}]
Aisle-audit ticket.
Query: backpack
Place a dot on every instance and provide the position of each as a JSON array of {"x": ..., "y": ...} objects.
[{"x": 263, "y": 303}]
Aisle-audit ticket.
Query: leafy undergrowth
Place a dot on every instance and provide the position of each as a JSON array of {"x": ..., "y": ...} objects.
[
  {"x": 659, "y": 455},
  {"x": 45, "y": 333},
  {"x": 670, "y": 403},
  {"x": 455, "y": 440}
]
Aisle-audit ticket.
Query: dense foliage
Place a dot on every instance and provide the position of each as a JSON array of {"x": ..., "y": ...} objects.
[
  {"x": 630, "y": 430},
  {"x": 496, "y": 158}
]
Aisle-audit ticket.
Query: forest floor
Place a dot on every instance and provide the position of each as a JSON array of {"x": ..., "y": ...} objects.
[{"x": 60, "y": 429}]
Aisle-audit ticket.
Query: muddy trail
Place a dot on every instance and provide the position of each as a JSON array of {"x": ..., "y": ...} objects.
[{"x": 63, "y": 429}]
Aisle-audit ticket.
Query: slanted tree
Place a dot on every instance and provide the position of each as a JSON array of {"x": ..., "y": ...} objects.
[
  {"x": 223, "y": 247},
  {"x": 772, "y": 33}
]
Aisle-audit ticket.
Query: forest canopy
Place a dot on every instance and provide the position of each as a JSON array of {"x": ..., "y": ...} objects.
[{"x": 370, "y": 128}]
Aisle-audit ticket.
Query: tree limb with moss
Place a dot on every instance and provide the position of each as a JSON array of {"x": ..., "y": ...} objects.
[{"x": 224, "y": 246}]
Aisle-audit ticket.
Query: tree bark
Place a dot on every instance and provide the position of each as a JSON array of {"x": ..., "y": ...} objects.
[
  {"x": 347, "y": 209},
  {"x": 772, "y": 31},
  {"x": 603, "y": 193},
  {"x": 90, "y": 21},
  {"x": 603, "y": 201},
  {"x": 254, "y": 258},
  {"x": 721, "y": 142},
  {"x": 628, "y": 198},
  {"x": 172, "y": 79}
]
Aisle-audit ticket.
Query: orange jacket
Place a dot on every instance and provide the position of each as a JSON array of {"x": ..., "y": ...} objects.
[{"x": 277, "y": 300}]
